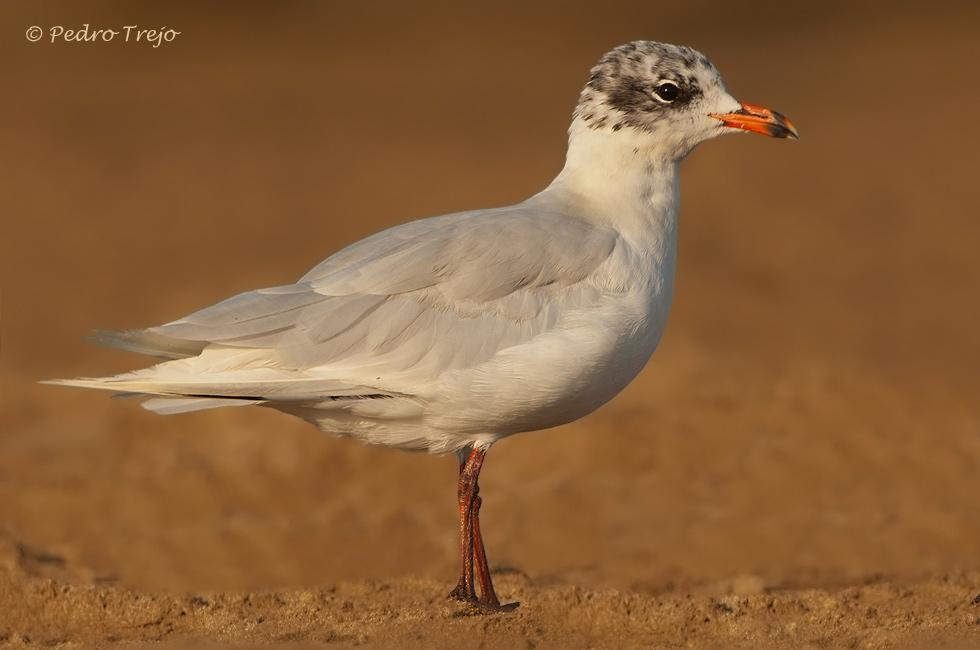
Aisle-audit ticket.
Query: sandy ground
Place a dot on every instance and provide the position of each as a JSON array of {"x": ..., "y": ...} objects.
[{"x": 795, "y": 468}]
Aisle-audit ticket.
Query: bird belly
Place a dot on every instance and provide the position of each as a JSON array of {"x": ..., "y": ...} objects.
[{"x": 555, "y": 378}]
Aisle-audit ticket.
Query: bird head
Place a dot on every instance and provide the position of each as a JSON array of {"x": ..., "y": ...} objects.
[{"x": 666, "y": 98}]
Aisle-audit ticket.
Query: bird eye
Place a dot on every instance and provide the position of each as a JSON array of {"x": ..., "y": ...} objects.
[{"x": 667, "y": 91}]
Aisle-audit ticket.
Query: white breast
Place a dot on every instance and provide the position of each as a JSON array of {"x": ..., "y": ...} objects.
[{"x": 569, "y": 372}]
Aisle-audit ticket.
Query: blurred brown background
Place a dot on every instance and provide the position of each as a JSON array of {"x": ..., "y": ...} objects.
[{"x": 811, "y": 418}]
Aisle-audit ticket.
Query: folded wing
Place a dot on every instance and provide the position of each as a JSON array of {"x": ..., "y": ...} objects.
[{"x": 386, "y": 313}]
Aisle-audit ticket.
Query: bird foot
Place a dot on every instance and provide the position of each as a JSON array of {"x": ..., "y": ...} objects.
[
  {"x": 471, "y": 605},
  {"x": 459, "y": 593}
]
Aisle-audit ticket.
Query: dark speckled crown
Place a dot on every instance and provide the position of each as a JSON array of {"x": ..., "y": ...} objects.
[{"x": 620, "y": 91}]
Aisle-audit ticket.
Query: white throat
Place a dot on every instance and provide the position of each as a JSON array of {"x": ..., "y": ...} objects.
[{"x": 620, "y": 178}]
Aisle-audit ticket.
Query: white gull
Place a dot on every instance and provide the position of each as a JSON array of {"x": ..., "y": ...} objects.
[{"x": 450, "y": 333}]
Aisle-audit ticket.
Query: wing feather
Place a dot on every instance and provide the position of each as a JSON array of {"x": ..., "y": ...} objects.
[{"x": 418, "y": 299}]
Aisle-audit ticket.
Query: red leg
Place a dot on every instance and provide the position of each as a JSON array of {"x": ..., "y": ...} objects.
[
  {"x": 480, "y": 555},
  {"x": 465, "y": 589},
  {"x": 471, "y": 541}
]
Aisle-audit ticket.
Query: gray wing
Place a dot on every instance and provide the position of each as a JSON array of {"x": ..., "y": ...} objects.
[{"x": 431, "y": 295}]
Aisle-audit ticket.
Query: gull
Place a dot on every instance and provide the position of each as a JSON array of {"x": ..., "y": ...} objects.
[{"x": 450, "y": 333}]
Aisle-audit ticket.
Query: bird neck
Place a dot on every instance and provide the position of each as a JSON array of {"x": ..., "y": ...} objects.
[{"x": 620, "y": 178}]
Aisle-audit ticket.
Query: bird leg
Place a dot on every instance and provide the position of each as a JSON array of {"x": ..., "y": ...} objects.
[
  {"x": 464, "y": 491},
  {"x": 471, "y": 541},
  {"x": 480, "y": 555}
]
